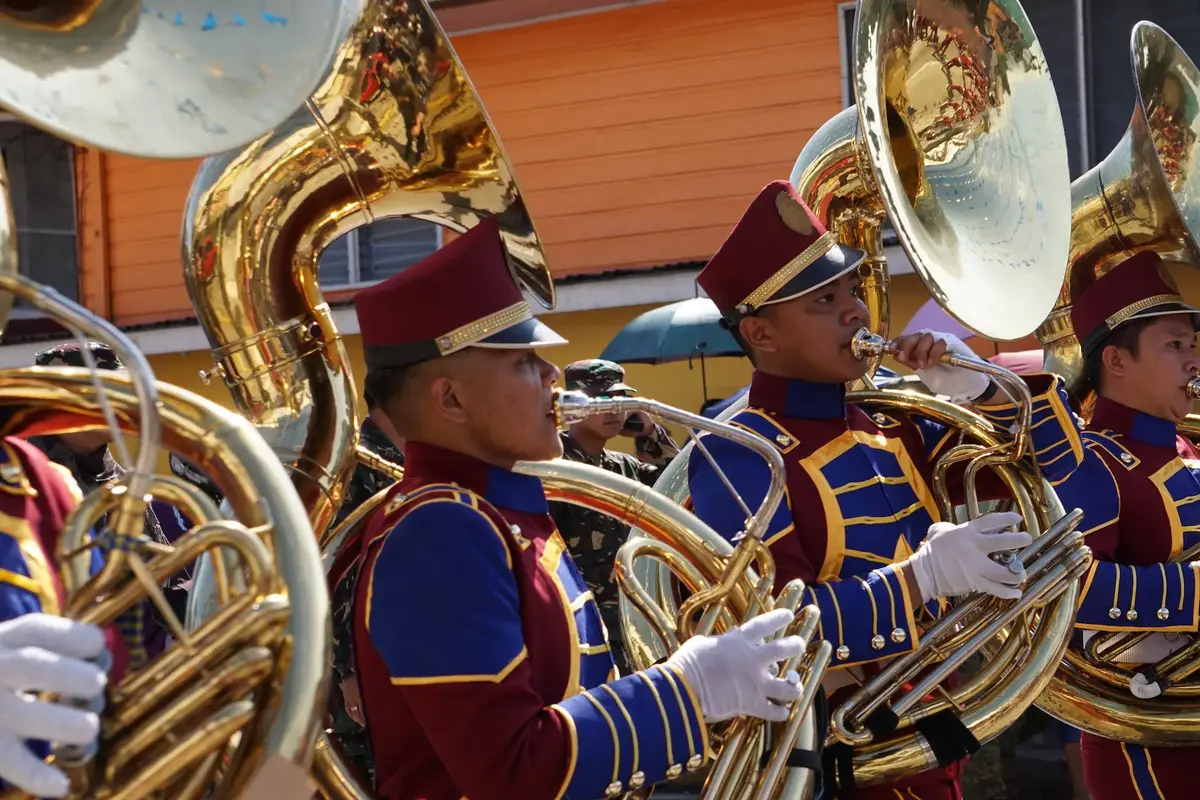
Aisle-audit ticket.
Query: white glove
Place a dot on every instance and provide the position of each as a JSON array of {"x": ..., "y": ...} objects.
[
  {"x": 733, "y": 675},
  {"x": 42, "y": 653},
  {"x": 953, "y": 559},
  {"x": 960, "y": 385}
]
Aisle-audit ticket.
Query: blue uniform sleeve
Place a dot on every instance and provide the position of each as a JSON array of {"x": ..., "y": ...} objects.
[
  {"x": 647, "y": 726},
  {"x": 865, "y": 619},
  {"x": 26, "y": 585},
  {"x": 457, "y": 572},
  {"x": 1121, "y": 597},
  {"x": 1055, "y": 430},
  {"x": 444, "y": 612}
]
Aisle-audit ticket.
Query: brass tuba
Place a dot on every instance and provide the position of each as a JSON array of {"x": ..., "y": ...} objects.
[
  {"x": 1141, "y": 197},
  {"x": 957, "y": 141},
  {"x": 395, "y": 129},
  {"x": 243, "y": 689}
]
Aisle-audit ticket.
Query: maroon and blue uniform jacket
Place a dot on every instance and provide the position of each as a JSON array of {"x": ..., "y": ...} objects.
[
  {"x": 36, "y": 496},
  {"x": 858, "y": 501},
  {"x": 481, "y": 657},
  {"x": 1138, "y": 483}
]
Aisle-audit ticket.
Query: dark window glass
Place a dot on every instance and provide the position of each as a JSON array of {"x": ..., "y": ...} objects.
[
  {"x": 383, "y": 248},
  {"x": 41, "y": 179}
]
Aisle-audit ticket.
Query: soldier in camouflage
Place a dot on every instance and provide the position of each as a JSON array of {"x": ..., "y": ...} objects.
[
  {"x": 378, "y": 436},
  {"x": 593, "y": 538}
]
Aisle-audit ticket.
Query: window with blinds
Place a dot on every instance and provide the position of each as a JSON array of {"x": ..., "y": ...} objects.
[
  {"x": 377, "y": 251},
  {"x": 41, "y": 180}
]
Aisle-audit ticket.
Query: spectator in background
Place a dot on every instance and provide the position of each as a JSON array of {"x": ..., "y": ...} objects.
[
  {"x": 345, "y": 705},
  {"x": 594, "y": 538},
  {"x": 86, "y": 455},
  {"x": 173, "y": 521}
]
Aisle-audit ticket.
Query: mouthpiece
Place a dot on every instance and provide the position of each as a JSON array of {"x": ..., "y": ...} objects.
[
  {"x": 571, "y": 407},
  {"x": 866, "y": 345},
  {"x": 1193, "y": 387}
]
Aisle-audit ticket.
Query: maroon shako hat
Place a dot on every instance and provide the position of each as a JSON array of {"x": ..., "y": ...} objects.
[
  {"x": 1137, "y": 288},
  {"x": 463, "y": 295},
  {"x": 779, "y": 250}
]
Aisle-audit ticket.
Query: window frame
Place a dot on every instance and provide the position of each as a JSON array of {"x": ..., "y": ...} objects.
[
  {"x": 20, "y": 311},
  {"x": 845, "y": 31},
  {"x": 354, "y": 264}
]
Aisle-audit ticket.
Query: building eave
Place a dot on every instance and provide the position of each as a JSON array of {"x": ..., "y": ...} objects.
[{"x": 617, "y": 289}]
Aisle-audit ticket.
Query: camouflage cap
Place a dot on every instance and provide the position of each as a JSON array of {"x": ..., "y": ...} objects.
[
  {"x": 597, "y": 377},
  {"x": 71, "y": 355}
]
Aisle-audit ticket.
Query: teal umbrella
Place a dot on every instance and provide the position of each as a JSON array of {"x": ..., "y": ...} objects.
[{"x": 676, "y": 332}]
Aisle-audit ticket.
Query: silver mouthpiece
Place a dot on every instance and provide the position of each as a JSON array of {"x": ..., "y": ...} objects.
[
  {"x": 866, "y": 345},
  {"x": 571, "y": 407}
]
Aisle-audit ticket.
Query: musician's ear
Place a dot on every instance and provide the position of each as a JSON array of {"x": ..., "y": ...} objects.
[
  {"x": 759, "y": 333},
  {"x": 1115, "y": 360}
]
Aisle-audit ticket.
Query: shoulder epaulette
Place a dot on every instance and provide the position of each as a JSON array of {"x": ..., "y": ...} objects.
[
  {"x": 760, "y": 422},
  {"x": 882, "y": 420},
  {"x": 401, "y": 502},
  {"x": 1108, "y": 442}
]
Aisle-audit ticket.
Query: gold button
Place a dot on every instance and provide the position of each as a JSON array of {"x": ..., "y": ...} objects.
[
  {"x": 695, "y": 761},
  {"x": 515, "y": 529},
  {"x": 843, "y": 653},
  {"x": 1114, "y": 613},
  {"x": 877, "y": 642},
  {"x": 674, "y": 771},
  {"x": 637, "y": 780},
  {"x": 899, "y": 635},
  {"x": 880, "y": 419},
  {"x": 1163, "y": 613},
  {"x": 614, "y": 789},
  {"x": 1131, "y": 615},
  {"x": 783, "y": 440},
  {"x": 1126, "y": 457},
  {"x": 445, "y": 343}
]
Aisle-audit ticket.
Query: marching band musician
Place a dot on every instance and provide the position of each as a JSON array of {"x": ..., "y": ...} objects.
[
  {"x": 1137, "y": 481},
  {"x": 40, "y": 652},
  {"x": 480, "y": 654},
  {"x": 859, "y": 524}
]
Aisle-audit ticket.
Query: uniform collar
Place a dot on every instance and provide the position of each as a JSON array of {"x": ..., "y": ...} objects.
[
  {"x": 1113, "y": 416},
  {"x": 428, "y": 463},
  {"x": 792, "y": 397}
]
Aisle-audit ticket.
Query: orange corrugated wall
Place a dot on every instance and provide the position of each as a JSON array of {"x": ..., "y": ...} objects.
[{"x": 639, "y": 136}]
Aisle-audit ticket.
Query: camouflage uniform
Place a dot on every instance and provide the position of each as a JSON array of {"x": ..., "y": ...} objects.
[
  {"x": 594, "y": 538},
  {"x": 365, "y": 484}
]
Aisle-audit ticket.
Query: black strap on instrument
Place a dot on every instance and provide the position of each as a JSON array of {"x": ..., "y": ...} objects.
[
  {"x": 837, "y": 777},
  {"x": 800, "y": 758},
  {"x": 949, "y": 739}
]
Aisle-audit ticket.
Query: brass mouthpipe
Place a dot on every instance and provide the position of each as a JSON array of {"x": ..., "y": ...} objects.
[{"x": 571, "y": 407}]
